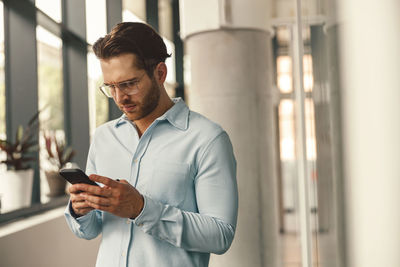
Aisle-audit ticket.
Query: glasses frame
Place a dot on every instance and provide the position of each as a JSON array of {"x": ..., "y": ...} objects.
[{"x": 107, "y": 89}]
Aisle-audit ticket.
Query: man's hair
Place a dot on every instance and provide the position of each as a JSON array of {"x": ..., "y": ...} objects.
[{"x": 133, "y": 38}]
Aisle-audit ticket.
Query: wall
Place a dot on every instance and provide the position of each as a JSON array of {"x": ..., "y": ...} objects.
[{"x": 47, "y": 244}]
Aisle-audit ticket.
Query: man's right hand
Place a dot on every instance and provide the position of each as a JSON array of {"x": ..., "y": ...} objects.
[{"x": 78, "y": 203}]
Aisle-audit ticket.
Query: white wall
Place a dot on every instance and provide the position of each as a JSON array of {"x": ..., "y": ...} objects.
[
  {"x": 47, "y": 244},
  {"x": 370, "y": 56}
]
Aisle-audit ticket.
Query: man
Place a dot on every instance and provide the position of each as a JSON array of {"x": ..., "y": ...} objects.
[{"x": 169, "y": 174}]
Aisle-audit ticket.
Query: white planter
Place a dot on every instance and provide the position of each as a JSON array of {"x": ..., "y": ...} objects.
[{"x": 16, "y": 189}]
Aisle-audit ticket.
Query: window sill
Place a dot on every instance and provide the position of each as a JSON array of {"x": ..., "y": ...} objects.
[{"x": 32, "y": 213}]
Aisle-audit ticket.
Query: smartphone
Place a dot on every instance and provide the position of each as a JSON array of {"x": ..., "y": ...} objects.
[{"x": 76, "y": 176}]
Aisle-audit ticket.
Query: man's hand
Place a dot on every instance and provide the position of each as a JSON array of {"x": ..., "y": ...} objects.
[
  {"x": 119, "y": 198},
  {"x": 78, "y": 202}
]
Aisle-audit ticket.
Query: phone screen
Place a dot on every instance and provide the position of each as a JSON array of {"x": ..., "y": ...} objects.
[{"x": 76, "y": 176}]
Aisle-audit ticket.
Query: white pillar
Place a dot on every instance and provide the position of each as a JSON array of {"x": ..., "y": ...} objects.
[
  {"x": 370, "y": 41},
  {"x": 228, "y": 44}
]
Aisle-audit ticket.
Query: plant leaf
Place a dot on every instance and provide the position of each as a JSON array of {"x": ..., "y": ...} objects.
[
  {"x": 48, "y": 145},
  {"x": 20, "y": 133},
  {"x": 35, "y": 117},
  {"x": 69, "y": 153}
]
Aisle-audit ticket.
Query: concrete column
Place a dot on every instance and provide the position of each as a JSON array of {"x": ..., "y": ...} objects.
[
  {"x": 230, "y": 84},
  {"x": 228, "y": 45},
  {"x": 370, "y": 56}
]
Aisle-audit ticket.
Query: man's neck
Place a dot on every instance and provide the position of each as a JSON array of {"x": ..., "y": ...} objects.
[{"x": 162, "y": 107}]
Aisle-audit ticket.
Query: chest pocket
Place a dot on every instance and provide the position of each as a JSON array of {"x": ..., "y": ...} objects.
[{"x": 169, "y": 182}]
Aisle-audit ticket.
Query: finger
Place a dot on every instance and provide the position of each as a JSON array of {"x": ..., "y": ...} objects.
[
  {"x": 94, "y": 190},
  {"x": 74, "y": 189},
  {"x": 123, "y": 181},
  {"x": 97, "y": 200},
  {"x": 77, "y": 198},
  {"x": 98, "y": 206},
  {"x": 81, "y": 205},
  {"x": 104, "y": 180}
]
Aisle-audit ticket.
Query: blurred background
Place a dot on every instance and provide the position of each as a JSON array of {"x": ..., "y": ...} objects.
[{"x": 308, "y": 91}]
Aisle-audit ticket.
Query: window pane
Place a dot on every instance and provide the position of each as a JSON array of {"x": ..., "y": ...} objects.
[
  {"x": 308, "y": 78},
  {"x": 51, "y": 7},
  {"x": 165, "y": 18},
  {"x": 98, "y": 103},
  {"x": 134, "y": 10},
  {"x": 50, "y": 79},
  {"x": 284, "y": 72},
  {"x": 96, "y": 27},
  {"x": 170, "y": 62},
  {"x": 96, "y": 23},
  {"x": 286, "y": 129}
]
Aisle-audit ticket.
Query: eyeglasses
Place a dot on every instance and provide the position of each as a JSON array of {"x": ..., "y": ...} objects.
[{"x": 129, "y": 87}]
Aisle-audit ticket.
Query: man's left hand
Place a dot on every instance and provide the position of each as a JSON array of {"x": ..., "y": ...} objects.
[{"x": 117, "y": 197}]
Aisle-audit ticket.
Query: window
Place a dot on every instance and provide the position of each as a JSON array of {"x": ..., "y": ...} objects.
[
  {"x": 51, "y": 7},
  {"x": 96, "y": 27},
  {"x": 96, "y": 23},
  {"x": 170, "y": 62},
  {"x": 134, "y": 11},
  {"x": 285, "y": 80},
  {"x": 165, "y": 19},
  {"x": 50, "y": 86},
  {"x": 98, "y": 103},
  {"x": 165, "y": 30}
]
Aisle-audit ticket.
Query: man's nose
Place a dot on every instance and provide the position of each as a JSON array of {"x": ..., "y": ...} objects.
[{"x": 119, "y": 95}]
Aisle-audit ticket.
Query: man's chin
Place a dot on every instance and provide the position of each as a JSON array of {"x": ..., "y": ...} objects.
[{"x": 132, "y": 116}]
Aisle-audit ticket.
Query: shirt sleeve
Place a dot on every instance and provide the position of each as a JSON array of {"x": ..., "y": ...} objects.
[
  {"x": 212, "y": 228},
  {"x": 88, "y": 226}
]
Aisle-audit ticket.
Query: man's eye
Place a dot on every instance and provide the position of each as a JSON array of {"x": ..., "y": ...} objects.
[{"x": 131, "y": 84}]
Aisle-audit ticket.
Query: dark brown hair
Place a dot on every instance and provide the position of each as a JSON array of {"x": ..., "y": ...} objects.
[{"x": 134, "y": 38}]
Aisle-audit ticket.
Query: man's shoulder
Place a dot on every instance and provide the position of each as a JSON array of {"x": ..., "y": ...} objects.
[
  {"x": 200, "y": 124},
  {"x": 106, "y": 127}
]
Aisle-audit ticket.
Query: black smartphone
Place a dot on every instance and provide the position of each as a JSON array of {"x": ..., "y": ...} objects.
[{"x": 76, "y": 176}]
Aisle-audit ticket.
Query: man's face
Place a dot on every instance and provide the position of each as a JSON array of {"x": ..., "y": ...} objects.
[{"x": 123, "y": 68}]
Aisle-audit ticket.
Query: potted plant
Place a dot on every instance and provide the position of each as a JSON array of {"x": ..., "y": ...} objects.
[
  {"x": 59, "y": 156},
  {"x": 16, "y": 182}
]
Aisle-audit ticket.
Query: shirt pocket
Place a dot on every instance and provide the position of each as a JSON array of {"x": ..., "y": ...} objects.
[{"x": 169, "y": 182}]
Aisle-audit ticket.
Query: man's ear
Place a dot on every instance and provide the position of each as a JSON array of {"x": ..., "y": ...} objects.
[{"x": 160, "y": 72}]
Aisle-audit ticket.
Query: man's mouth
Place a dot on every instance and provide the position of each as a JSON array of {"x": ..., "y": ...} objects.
[{"x": 128, "y": 107}]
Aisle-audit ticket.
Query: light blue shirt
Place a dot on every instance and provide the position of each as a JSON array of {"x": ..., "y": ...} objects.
[{"x": 184, "y": 166}]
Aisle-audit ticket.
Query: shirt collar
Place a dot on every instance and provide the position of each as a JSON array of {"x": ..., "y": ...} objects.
[{"x": 177, "y": 115}]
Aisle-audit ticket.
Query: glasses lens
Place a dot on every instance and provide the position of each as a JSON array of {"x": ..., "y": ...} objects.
[{"x": 106, "y": 90}]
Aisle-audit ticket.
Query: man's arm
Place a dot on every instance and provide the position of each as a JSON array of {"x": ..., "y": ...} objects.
[
  {"x": 83, "y": 221},
  {"x": 212, "y": 228}
]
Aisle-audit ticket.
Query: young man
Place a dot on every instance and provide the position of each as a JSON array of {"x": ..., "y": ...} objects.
[{"x": 169, "y": 174}]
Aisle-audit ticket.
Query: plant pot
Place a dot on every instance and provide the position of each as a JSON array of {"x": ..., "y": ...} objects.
[
  {"x": 16, "y": 189},
  {"x": 56, "y": 184}
]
